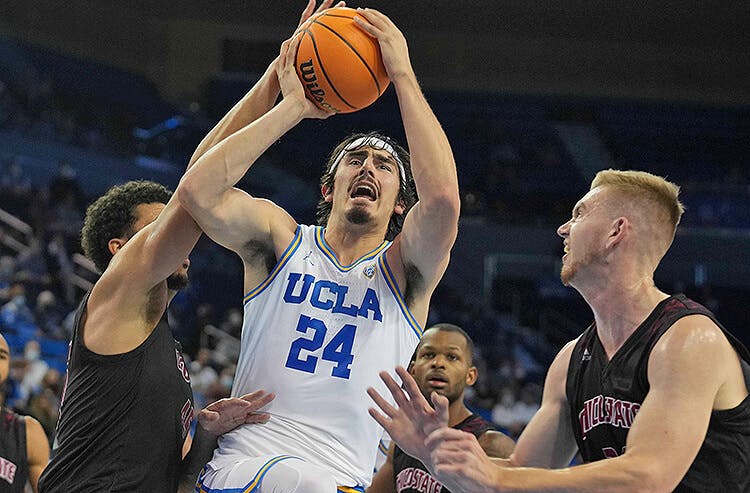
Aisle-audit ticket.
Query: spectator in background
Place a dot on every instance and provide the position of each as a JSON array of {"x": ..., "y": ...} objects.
[
  {"x": 44, "y": 404},
  {"x": 514, "y": 414},
  {"x": 34, "y": 369},
  {"x": 31, "y": 264},
  {"x": 65, "y": 184},
  {"x": 48, "y": 315},
  {"x": 13, "y": 179},
  {"x": 16, "y": 313},
  {"x": 202, "y": 374},
  {"x": 24, "y": 449}
]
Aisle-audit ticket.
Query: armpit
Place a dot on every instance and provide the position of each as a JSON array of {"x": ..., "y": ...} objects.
[
  {"x": 259, "y": 255},
  {"x": 414, "y": 283}
]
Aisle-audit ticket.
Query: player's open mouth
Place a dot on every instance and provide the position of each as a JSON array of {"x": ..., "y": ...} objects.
[{"x": 364, "y": 190}]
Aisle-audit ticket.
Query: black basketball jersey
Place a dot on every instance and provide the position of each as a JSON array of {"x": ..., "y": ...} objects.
[
  {"x": 14, "y": 460},
  {"x": 605, "y": 396},
  {"x": 123, "y": 418},
  {"x": 410, "y": 474}
]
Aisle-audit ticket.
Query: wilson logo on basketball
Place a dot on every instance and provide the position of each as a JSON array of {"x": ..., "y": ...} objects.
[{"x": 307, "y": 69}]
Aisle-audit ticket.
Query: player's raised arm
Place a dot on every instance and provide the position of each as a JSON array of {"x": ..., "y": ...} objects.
[
  {"x": 164, "y": 244},
  {"x": 257, "y": 101},
  {"x": 431, "y": 226},
  {"x": 228, "y": 215}
]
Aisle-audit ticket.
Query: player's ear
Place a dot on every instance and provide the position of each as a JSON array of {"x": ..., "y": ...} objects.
[
  {"x": 115, "y": 244},
  {"x": 471, "y": 376},
  {"x": 326, "y": 191},
  {"x": 399, "y": 208},
  {"x": 617, "y": 231}
]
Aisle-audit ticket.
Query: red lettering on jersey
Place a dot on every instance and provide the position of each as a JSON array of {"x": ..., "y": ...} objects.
[
  {"x": 182, "y": 367},
  {"x": 186, "y": 414},
  {"x": 417, "y": 479},
  {"x": 7, "y": 470},
  {"x": 602, "y": 410}
]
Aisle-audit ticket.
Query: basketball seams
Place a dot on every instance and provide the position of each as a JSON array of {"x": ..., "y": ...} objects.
[
  {"x": 323, "y": 69},
  {"x": 326, "y": 14},
  {"x": 348, "y": 44}
]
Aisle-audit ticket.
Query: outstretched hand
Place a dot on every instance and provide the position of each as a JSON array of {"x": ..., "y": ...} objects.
[
  {"x": 414, "y": 419},
  {"x": 392, "y": 42},
  {"x": 225, "y": 415}
]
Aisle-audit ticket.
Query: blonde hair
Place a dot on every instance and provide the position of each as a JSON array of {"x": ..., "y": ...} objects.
[{"x": 651, "y": 193}]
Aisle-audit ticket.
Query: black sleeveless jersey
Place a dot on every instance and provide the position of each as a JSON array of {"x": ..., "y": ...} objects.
[
  {"x": 410, "y": 474},
  {"x": 123, "y": 418},
  {"x": 605, "y": 396},
  {"x": 14, "y": 462}
]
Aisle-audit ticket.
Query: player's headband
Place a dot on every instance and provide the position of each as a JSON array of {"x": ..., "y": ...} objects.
[{"x": 375, "y": 143}]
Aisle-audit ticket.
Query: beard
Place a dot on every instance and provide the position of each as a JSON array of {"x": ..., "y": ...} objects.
[
  {"x": 358, "y": 216},
  {"x": 177, "y": 281},
  {"x": 572, "y": 268},
  {"x": 567, "y": 272}
]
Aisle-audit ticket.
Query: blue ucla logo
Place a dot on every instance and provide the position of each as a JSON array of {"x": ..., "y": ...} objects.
[{"x": 328, "y": 295}]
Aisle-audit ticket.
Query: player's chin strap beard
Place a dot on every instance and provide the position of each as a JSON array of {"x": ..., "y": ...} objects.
[{"x": 375, "y": 143}]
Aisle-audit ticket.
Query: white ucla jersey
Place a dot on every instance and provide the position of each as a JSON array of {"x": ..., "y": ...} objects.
[{"x": 317, "y": 333}]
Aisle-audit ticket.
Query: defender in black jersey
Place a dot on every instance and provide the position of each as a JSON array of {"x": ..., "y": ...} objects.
[
  {"x": 606, "y": 394},
  {"x": 24, "y": 450},
  {"x": 654, "y": 393},
  {"x": 127, "y": 405},
  {"x": 442, "y": 363}
]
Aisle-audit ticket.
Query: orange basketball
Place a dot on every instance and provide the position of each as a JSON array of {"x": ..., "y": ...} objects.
[{"x": 338, "y": 63}]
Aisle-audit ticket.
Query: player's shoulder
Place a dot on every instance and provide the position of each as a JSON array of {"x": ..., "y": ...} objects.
[
  {"x": 694, "y": 329},
  {"x": 33, "y": 426},
  {"x": 565, "y": 353},
  {"x": 695, "y": 334}
]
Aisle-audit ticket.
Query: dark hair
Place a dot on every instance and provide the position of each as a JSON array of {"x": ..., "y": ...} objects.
[
  {"x": 445, "y": 327},
  {"x": 407, "y": 193},
  {"x": 113, "y": 215}
]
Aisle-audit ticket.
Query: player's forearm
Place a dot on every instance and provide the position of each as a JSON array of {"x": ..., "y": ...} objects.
[
  {"x": 432, "y": 162},
  {"x": 201, "y": 451},
  {"x": 252, "y": 106},
  {"x": 619, "y": 475},
  {"x": 225, "y": 164}
]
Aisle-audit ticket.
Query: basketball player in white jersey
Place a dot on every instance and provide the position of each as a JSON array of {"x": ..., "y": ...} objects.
[{"x": 327, "y": 307}]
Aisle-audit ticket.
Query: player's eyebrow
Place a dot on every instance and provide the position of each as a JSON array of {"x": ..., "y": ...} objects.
[{"x": 380, "y": 157}]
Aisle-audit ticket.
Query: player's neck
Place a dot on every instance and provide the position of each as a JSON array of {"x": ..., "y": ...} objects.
[
  {"x": 620, "y": 308},
  {"x": 457, "y": 412},
  {"x": 350, "y": 243}
]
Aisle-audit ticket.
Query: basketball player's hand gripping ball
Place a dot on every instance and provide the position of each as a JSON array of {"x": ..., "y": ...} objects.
[{"x": 339, "y": 61}]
